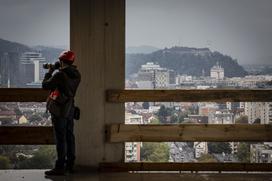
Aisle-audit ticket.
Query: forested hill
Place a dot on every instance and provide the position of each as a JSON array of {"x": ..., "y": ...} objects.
[
  {"x": 50, "y": 54},
  {"x": 184, "y": 60},
  {"x": 8, "y": 46}
]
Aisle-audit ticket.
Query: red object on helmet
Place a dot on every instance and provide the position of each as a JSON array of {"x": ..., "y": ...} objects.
[{"x": 67, "y": 56}]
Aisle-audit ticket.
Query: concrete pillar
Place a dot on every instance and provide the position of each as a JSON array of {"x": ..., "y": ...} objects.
[{"x": 98, "y": 39}]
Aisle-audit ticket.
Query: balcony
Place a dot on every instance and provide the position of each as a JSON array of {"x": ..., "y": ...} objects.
[{"x": 98, "y": 37}]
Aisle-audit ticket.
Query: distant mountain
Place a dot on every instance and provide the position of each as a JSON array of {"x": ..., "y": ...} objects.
[
  {"x": 51, "y": 54},
  {"x": 184, "y": 60},
  {"x": 8, "y": 46},
  {"x": 141, "y": 49}
]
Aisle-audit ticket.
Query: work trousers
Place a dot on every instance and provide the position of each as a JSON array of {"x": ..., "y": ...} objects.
[{"x": 65, "y": 140}]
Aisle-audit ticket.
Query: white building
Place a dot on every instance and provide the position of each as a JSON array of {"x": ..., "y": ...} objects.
[
  {"x": 133, "y": 149},
  {"x": 153, "y": 76},
  {"x": 183, "y": 79},
  {"x": 31, "y": 65},
  {"x": 217, "y": 72},
  {"x": 200, "y": 148},
  {"x": 261, "y": 111},
  {"x": 221, "y": 117},
  {"x": 260, "y": 153}
]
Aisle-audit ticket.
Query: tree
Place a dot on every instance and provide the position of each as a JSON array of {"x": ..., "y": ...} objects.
[
  {"x": 242, "y": 120},
  {"x": 218, "y": 147},
  {"x": 243, "y": 152},
  {"x": 207, "y": 158},
  {"x": 145, "y": 105},
  {"x": 42, "y": 159},
  {"x": 155, "y": 152},
  {"x": 4, "y": 162},
  {"x": 154, "y": 121},
  {"x": 162, "y": 114},
  {"x": 35, "y": 118},
  {"x": 174, "y": 119}
]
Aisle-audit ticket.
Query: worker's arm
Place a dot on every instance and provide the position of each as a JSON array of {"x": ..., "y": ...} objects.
[{"x": 51, "y": 82}]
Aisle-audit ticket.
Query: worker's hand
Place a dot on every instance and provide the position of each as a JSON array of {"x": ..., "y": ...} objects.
[{"x": 51, "y": 70}]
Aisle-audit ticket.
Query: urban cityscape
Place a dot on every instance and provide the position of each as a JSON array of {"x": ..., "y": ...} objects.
[
  {"x": 152, "y": 76},
  {"x": 25, "y": 70}
]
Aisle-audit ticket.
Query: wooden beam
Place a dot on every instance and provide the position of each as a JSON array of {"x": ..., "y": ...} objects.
[
  {"x": 211, "y": 95},
  {"x": 12, "y": 135},
  {"x": 124, "y": 167},
  {"x": 22, "y": 95},
  {"x": 188, "y": 132}
]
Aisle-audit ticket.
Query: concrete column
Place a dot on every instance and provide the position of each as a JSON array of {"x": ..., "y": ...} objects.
[{"x": 98, "y": 39}]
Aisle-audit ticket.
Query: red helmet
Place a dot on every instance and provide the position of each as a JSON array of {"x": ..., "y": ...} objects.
[{"x": 67, "y": 56}]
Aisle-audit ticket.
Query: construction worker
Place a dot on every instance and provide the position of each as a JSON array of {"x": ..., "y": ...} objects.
[{"x": 60, "y": 103}]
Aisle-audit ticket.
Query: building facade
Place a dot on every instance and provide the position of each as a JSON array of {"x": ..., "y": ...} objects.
[
  {"x": 217, "y": 72},
  {"x": 31, "y": 67},
  {"x": 259, "y": 112},
  {"x": 133, "y": 149}
]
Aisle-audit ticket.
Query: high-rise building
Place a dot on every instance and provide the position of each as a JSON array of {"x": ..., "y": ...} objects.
[
  {"x": 217, "y": 72},
  {"x": 260, "y": 153},
  {"x": 153, "y": 76},
  {"x": 31, "y": 67},
  {"x": 133, "y": 149},
  {"x": 259, "y": 112},
  {"x": 9, "y": 69}
]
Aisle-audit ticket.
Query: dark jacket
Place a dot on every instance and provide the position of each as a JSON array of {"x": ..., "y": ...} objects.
[{"x": 66, "y": 81}]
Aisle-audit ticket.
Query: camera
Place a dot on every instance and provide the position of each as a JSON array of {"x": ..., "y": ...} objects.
[{"x": 54, "y": 66}]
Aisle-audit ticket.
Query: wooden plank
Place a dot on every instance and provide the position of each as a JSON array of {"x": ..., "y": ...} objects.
[
  {"x": 188, "y": 132},
  {"x": 22, "y": 95},
  {"x": 211, "y": 95},
  {"x": 12, "y": 135},
  {"x": 124, "y": 167}
]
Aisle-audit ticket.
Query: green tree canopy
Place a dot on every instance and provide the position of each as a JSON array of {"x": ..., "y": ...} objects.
[
  {"x": 207, "y": 158},
  {"x": 242, "y": 120},
  {"x": 243, "y": 152},
  {"x": 218, "y": 147},
  {"x": 155, "y": 152},
  {"x": 145, "y": 105},
  {"x": 4, "y": 162},
  {"x": 42, "y": 159}
]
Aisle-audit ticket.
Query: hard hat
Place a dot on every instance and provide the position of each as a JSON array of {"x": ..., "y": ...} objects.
[{"x": 67, "y": 56}]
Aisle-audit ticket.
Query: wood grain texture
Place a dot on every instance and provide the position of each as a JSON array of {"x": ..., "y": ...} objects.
[
  {"x": 23, "y": 95},
  {"x": 12, "y": 135},
  {"x": 124, "y": 167},
  {"x": 212, "y": 95},
  {"x": 188, "y": 132}
]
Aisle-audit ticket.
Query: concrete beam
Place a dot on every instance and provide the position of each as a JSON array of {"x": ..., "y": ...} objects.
[{"x": 98, "y": 39}]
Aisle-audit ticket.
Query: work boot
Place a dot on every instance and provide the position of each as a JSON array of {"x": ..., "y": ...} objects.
[{"x": 55, "y": 172}]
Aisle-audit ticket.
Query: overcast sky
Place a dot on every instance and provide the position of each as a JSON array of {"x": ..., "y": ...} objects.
[
  {"x": 35, "y": 22},
  {"x": 239, "y": 28}
]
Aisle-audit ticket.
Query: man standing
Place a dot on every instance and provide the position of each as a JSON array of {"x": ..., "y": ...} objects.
[{"x": 60, "y": 103}]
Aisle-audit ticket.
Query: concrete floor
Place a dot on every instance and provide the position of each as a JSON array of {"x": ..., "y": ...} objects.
[{"x": 38, "y": 175}]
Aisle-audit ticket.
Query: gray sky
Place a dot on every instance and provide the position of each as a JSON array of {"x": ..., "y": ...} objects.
[
  {"x": 239, "y": 28},
  {"x": 35, "y": 22}
]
